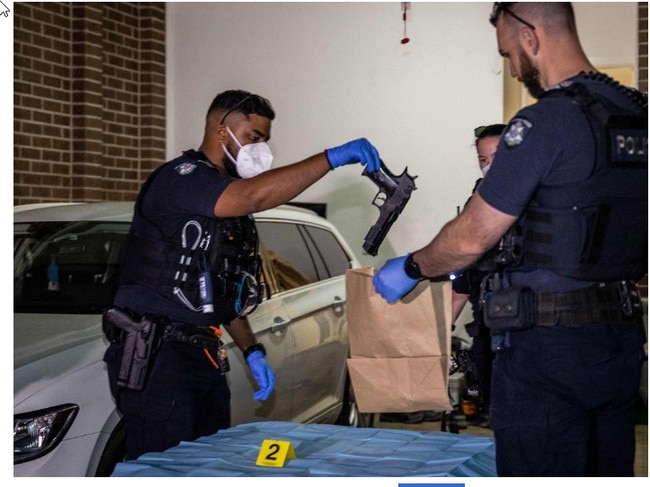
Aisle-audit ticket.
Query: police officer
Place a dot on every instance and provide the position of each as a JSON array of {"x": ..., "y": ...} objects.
[
  {"x": 565, "y": 315},
  {"x": 192, "y": 232},
  {"x": 466, "y": 286}
]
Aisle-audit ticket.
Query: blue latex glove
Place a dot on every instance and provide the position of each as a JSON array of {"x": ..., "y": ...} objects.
[
  {"x": 391, "y": 280},
  {"x": 357, "y": 151},
  {"x": 263, "y": 374}
]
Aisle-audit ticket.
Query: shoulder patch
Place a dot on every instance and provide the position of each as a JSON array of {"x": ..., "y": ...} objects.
[
  {"x": 185, "y": 168},
  {"x": 517, "y": 131}
]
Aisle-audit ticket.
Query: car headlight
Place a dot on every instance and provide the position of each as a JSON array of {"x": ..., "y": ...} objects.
[{"x": 38, "y": 432}]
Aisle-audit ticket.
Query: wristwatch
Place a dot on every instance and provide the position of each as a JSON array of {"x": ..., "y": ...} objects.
[
  {"x": 412, "y": 269},
  {"x": 254, "y": 348}
]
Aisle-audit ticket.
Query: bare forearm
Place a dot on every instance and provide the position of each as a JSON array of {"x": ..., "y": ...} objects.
[
  {"x": 241, "y": 333},
  {"x": 458, "y": 302},
  {"x": 463, "y": 240},
  {"x": 271, "y": 188},
  {"x": 444, "y": 254}
]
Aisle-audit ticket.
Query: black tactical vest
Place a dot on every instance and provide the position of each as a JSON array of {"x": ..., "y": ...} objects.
[
  {"x": 596, "y": 229},
  {"x": 225, "y": 249}
]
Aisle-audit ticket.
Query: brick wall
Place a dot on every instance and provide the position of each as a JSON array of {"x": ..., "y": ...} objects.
[
  {"x": 89, "y": 99},
  {"x": 643, "y": 46},
  {"x": 643, "y": 83}
]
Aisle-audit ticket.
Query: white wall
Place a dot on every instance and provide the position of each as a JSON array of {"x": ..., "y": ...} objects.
[
  {"x": 608, "y": 32},
  {"x": 337, "y": 71}
]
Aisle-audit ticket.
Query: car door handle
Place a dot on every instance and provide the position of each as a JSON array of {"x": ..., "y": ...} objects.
[{"x": 279, "y": 324}]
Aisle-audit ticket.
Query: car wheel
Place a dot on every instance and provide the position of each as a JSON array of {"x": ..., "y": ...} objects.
[
  {"x": 350, "y": 415},
  {"x": 114, "y": 453}
]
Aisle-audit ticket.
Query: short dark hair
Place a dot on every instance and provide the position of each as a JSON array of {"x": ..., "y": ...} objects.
[
  {"x": 488, "y": 131},
  {"x": 559, "y": 13},
  {"x": 241, "y": 101}
]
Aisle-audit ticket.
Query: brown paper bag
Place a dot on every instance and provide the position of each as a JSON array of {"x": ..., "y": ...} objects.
[{"x": 399, "y": 352}]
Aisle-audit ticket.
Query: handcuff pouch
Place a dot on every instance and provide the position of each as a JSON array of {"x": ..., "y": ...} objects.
[{"x": 509, "y": 309}]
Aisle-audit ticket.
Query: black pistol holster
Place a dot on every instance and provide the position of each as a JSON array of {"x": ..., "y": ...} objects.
[{"x": 140, "y": 338}]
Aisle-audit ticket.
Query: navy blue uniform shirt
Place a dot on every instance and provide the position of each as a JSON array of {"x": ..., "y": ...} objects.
[{"x": 182, "y": 190}]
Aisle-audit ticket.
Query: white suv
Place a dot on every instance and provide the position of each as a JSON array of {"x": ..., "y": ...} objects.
[{"x": 65, "y": 421}]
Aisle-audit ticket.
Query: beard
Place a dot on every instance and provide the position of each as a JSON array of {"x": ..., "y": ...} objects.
[
  {"x": 530, "y": 76},
  {"x": 231, "y": 167}
]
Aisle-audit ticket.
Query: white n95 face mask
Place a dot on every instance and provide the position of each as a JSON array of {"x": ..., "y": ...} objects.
[
  {"x": 252, "y": 159},
  {"x": 485, "y": 169}
]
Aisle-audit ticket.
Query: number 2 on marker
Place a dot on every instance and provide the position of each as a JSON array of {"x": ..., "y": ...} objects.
[
  {"x": 274, "y": 448},
  {"x": 274, "y": 453}
]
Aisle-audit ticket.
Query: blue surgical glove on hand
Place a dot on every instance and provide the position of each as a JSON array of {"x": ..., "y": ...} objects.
[
  {"x": 357, "y": 151},
  {"x": 263, "y": 374},
  {"x": 391, "y": 280}
]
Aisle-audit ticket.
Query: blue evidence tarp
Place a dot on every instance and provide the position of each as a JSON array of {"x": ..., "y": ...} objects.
[{"x": 322, "y": 450}]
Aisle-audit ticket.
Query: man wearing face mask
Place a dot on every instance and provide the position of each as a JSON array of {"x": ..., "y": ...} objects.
[
  {"x": 192, "y": 233},
  {"x": 466, "y": 286},
  {"x": 567, "y": 194}
]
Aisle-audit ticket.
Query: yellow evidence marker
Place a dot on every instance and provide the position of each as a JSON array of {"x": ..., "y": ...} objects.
[{"x": 274, "y": 453}]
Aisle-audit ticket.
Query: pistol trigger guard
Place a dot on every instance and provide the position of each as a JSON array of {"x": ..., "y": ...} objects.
[{"x": 380, "y": 199}]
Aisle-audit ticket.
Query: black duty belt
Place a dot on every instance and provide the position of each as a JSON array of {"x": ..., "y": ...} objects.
[
  {"x": 196, "y": 336},
  {"x": 603, "y": 303},
  {"x": 192, "y": 335}
]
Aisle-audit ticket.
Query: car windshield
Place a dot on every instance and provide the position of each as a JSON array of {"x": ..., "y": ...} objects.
[{"x": 67, "y": 267}]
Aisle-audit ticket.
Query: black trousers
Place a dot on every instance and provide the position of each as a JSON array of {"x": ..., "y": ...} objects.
[
  {"x": 563, "y": 401},
  {"x": 185, "y": 398}
]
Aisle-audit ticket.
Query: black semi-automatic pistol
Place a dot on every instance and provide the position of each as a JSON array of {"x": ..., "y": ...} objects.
[{"x": 394, "y": 193}]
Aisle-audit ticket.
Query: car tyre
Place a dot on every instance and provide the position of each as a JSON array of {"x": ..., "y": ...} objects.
[{"x": 114, "y": 453}]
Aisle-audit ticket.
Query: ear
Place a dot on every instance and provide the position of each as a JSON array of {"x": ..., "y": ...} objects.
[
  {"x": 529, "y": 40},
  {"x": 222, "y": 133}
]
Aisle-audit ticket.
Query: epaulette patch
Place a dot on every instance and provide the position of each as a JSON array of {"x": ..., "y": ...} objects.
[
  {"x": 185, "y": 168},
  {"x": 516, "y": 131}
]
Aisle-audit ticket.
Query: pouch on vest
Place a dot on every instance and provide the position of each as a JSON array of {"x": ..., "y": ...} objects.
[{"x": 509, "y": 309}]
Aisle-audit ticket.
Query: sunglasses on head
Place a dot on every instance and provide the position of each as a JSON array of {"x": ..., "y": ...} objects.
[
  {"x": 237, "y": 105},
  {"x": 488, "y": 130},
  {"x": 478, "y": 131},
  {"x": 503, "y": 7}
]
